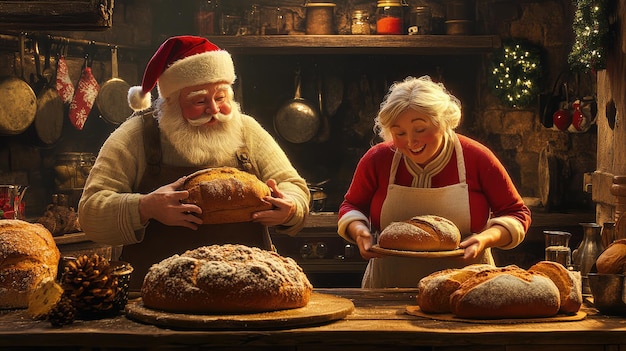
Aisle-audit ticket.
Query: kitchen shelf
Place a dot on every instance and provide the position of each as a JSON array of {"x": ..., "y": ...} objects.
[{"x": 358, "y": 44}]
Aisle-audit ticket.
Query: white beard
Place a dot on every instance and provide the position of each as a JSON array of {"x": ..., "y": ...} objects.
[{"x": 206, "y": 145}]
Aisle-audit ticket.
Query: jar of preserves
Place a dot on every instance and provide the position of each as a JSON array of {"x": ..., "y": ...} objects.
[
  {"x": 389, "y": 17},
  {"x": 360, "y": 22}
]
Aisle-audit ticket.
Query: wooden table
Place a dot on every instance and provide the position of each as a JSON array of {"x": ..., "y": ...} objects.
[{"x": 379, "y": 322}]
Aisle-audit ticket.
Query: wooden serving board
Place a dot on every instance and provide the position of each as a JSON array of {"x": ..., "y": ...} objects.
[
  {"x": 417, "y": 254},
  {"x": 415, "y": 311},
  {"x": 321, "y": 308}
]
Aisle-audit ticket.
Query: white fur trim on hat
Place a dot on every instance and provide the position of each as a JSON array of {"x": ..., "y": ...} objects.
[
  {"x": 137, "y": 100},
  {"x": 207, "y": 67}
]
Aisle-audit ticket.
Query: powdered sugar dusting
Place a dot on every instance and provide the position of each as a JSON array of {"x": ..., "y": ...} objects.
[{"x": 228, "y": 272}]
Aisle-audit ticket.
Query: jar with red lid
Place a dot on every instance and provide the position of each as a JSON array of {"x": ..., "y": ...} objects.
[{"x": 389, "y": 17}]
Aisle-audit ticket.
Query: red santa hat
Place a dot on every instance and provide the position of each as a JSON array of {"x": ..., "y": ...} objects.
[{"x": 180, "y": 62}]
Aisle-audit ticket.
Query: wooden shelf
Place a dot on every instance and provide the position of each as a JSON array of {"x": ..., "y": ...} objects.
[{"x": 358, "y": 44}]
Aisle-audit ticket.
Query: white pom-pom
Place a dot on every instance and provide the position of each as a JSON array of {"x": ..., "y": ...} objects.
[{"x": 137, "y": 100}]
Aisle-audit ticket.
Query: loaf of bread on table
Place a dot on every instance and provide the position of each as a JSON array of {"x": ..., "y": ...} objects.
[
  {"x": 435, "y": 289},
  {"x": 226, "y": 194},
  {"x": 28, "y": 255},
  {"x": 507, "y": 292},
  {"x": 569, "y": 284},
  {"x": 613, "y": 259},
  {"x": 227, "y": 278},
  {"x": 421, "y": 233}
]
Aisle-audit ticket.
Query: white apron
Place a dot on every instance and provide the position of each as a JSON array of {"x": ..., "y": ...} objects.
[{"x": 402, "y": 203}]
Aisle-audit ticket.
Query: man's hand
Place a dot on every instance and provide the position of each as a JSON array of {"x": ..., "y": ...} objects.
[
  {"x": 284, "y": 208},
  {"x": 164, "y": 205}
]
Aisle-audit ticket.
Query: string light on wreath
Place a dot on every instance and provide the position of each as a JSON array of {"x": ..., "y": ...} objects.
[
  {"x": 515, "y": 75},
  {"x": 591, "y": 29}
]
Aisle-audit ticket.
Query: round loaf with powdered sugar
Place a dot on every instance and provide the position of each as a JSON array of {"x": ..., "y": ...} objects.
[
  {"x": 507, "y": 292},
  {"x": 226, "y": 279},
  {"x": 421, "y": 233}
]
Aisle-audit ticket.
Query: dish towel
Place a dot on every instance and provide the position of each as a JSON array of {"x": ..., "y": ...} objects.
[{"x": 84, "y": 98}]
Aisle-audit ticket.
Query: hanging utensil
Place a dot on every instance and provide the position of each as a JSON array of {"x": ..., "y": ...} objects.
[
  {"x": 18, "y": 102},
  {"x": 297, "y": 120},
  {"x": 324, "y": 130},
  {"x": 112, "y": 101},
  {"x": 48, "y": 123}
]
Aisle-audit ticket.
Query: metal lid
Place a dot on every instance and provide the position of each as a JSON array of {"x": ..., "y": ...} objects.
[{"x": 383, "y": 3}]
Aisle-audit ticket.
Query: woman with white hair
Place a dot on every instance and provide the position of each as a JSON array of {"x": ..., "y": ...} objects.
[{"x": 423, "y": 167}]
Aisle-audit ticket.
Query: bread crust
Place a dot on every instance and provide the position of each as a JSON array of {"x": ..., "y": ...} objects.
[
  {"x": 28, "y": 255},
  {"x": 507, "y": 292},
  {"x": 435, "y": 289},
  {"x": 421, "y": 233},
  {"x": 570, "y": 289},
  {"x": 613, "y": 259},
  {"x": 226, "y": 279},
  {"x": 226, "y": 194}
]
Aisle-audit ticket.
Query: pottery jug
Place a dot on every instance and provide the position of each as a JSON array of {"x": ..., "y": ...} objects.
[{"x": 588, "y": 251}]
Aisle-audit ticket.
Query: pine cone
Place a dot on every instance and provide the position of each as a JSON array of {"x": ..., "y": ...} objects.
[
  {"x": 62, "y": 313},
  {"x": 89, "y": 283}
]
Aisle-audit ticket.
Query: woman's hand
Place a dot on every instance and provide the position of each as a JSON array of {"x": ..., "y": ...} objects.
[
  {"x": 164, "y": 205},
  {"x": 364, "y": 239},
  {"x": 495, "y": 236},
  {"x": 283, "y": 211}
]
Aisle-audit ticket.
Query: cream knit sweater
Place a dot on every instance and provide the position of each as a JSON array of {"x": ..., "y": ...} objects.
[{"x": 109, "y": 208}]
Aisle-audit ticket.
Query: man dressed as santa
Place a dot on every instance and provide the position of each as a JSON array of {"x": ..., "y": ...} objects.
[{"x": 132, "y": 196}]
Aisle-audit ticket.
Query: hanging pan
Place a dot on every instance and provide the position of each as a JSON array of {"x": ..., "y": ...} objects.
[
  {"x": 18, "y": 103},
  {"x": 297, "y": 120},
  {"x": 48, "y": 123},
  {"x": 112, "y": 100}
]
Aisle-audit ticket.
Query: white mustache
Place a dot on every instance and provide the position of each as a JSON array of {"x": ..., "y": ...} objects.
[{"x": 207, "y": 118}]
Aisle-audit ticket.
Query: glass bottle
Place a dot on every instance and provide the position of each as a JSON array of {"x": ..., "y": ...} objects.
[
  {"x": 588, "y": 251},
  {"x": 389, "y": 17},
  {"x": 360, "y": 22}
]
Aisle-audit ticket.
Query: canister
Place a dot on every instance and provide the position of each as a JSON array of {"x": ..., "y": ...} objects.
[
  {"x": 320, "y": 18},
  {"x": 389, "y": 17},
  {"x": 420, "y": 21}
]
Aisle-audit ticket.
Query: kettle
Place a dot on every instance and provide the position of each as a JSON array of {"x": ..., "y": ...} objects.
[{"x": 11, "y": 201}]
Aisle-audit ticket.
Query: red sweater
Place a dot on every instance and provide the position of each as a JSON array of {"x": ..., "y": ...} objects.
[{"x": 490, "y": 187}]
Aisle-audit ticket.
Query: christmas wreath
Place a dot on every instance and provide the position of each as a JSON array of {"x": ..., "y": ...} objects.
[
  {"x": 515, "y": 74},
  {"x": 591, "y": 29}
]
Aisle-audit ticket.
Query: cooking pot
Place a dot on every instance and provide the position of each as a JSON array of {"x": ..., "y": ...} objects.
[
  {"x": 318, "y": 196},
  {"x": 297, "y": 120}
]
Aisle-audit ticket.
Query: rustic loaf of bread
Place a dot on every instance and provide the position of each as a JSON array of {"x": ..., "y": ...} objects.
[
  {"x": 507, "y": 292},
  {"x": 613, "y": 259},
  {"x": 421, "y": 233},
  {"x": 28, "y": 255},
  {"x": 569, "y": 284},
  {"x": 226, "y": 194},
  {"x": 226, "y": 279},
  {"x": 435, "y": 289}
]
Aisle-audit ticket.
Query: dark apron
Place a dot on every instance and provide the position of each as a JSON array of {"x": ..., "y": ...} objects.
[{"x": 162, "y": 241}]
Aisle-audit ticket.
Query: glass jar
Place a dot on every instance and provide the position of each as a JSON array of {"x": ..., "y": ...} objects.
[
  {"x": 389, "y": 17},
  {"x": 360, "y": 22},
  {"x": 72, "y": 168},
  {"x": 420, "y": 21}
]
